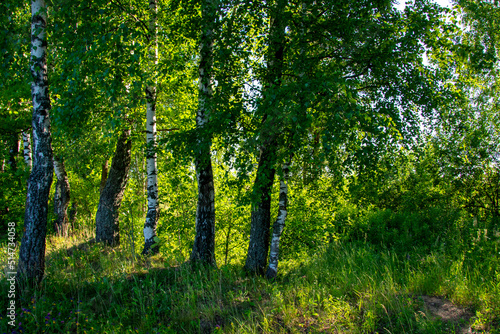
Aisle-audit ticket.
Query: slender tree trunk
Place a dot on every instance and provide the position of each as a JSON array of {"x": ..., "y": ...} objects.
[
  {"x": 143, "y": 179},
  {"x": 2, "y": 161},
  {"x": 13, "y": 153},
  {"x": 228, "y": 239},
  {"x": 61, "y": 199},
  {"x": 152, "y": 170},
  {"x": 272, "y": 269},
  {"x": 258, "y": 246},
  {"x": 73, "y": 213},
  {"x": 107, "y": 222},
  {"x": 32, "y": 253},
  {"x": 279, "y": 224},
  {"x": 104, "y": 175},
  {"x": 2, "y": 158},
  {"x": 27, "y": 149},
  {"x": 204, "y": 242},
  {"x": 140, "y": 179}
]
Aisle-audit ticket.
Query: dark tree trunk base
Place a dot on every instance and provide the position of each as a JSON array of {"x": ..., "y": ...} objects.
[
  {"x": 204, "y": 242},
  {"x": 258, "y": 246},
  {"x": 61, "y": 199},
  {"x": 107, "y": 222}
]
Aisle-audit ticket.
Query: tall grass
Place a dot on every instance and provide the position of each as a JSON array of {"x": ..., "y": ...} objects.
[{"x": 342, "y": 287}]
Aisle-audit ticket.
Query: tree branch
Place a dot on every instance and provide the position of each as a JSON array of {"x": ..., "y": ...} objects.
[{"x": 144, "y": 25}]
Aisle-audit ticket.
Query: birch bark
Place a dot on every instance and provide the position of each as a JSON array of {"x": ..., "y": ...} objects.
[
  {"x": 27, "y": 149},
  {"x": 279, "y": 224},
  {"x": 150, "y": 246},
  {"x": 204, "y": 242},
  {"x": 31, "y": 265},
  {"x": 258, "y": 246}
]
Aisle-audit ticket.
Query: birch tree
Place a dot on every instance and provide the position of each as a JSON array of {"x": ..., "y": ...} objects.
[
  {"x": 279, "y": 224},
  {"x": 357, "y": 68},
  {"x": 99, "y": 88},
  {"x": 258, "y": 246},
  {"x": 27, "y": 149},
  {"x": 204, "y": 242},
  {"x": 152, "y": 170},
  {"x": 32, "y": 252}
]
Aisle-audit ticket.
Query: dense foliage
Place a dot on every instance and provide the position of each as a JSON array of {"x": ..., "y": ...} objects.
[{"x": 387, "y": 116}]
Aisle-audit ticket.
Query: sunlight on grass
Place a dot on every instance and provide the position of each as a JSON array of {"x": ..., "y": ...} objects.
[{"x": 343, "y": 288}]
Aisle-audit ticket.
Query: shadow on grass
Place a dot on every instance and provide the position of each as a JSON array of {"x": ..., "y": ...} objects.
[
  {"x": 97, "y": 289},
  {"x": 343, "y": 288}
]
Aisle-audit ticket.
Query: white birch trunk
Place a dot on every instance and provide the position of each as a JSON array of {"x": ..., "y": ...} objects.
[
  {"x": 27, "y": 149},
  {"x": 152, "y": 170},
  {"x": 279, "y": 225},
  {"x": 32, "y": 253}
]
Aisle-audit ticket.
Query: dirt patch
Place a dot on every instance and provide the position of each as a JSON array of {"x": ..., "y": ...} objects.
[{"x": 445, "y": 310}]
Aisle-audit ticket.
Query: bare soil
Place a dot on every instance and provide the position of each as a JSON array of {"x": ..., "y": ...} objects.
[{"x": 446, "y": 311}]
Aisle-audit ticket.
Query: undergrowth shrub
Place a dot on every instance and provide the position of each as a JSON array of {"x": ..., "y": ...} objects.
[
  {"x": 401, "y": 231},
  {"x": 12, "y": 199}
]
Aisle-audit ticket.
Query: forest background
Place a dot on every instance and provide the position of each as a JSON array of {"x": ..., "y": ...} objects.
[{"x": 196, "y": 143}]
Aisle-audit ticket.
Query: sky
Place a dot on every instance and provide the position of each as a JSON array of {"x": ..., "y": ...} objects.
[{"x": 444, "y": 3}]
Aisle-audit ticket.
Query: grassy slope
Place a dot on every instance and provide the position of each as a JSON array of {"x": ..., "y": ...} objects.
[{"x": 342, "y": 288}]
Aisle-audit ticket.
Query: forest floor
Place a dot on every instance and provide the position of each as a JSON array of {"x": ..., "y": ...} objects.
[{"x": 342, "y": 288}]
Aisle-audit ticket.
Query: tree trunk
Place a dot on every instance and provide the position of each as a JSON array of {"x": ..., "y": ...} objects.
[
  {"x": 258, "y": 246},
  {"x": 107, "y": 226},
  {"x": 272, "y": 269},
  {"x": 27, "y": 149},
  {"x": 73, "y": 213},
  {"x": 2, "y": 161},
  {"x": 152, "y": 170},
  {"x": 61, "y": 199},
  {"x": 142, "y": 179},
  {"x": 204, "y": 242},
  {"x": 13, "y": 152},
  {"x": 32, "y": 253}
]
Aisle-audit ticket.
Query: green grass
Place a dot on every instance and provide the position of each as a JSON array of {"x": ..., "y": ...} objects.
[{"x": 340, "y": 288}]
